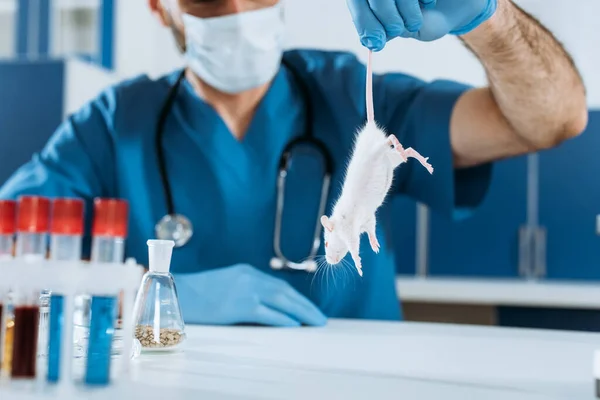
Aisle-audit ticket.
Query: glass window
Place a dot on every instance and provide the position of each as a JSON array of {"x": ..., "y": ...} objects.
[
  {"x": 76, "y": 28},
  {"x": 8, "y": 17}
]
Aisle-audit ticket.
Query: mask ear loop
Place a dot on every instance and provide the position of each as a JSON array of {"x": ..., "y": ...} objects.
[
  {"x": 179, "y": 38},
  {"x": 282, "y": 9}
]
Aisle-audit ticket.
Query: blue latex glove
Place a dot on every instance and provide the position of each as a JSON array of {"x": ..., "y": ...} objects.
[
  {"x": 379, "y": 21},
  {"x": 243, "y": 294}
]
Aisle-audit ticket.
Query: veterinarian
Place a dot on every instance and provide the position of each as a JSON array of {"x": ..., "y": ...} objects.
[{"x": 198, "y": 153}]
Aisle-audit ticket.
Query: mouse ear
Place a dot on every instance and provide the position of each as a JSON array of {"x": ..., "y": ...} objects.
[{"x": 326, "y": 222}]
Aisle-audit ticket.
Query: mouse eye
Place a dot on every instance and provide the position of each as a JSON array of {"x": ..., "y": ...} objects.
[{"x": 326, "y": 243}]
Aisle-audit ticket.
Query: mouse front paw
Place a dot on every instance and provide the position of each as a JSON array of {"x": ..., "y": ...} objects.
[
  {"x": 358, "y": 265},
  {"x": 359, "y": 269},
  {"x": 424, "y": 162},
  {"x": 374, "y": 243}
]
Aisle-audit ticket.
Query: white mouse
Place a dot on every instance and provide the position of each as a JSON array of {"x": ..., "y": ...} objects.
[{"x": 367, "y": 181}]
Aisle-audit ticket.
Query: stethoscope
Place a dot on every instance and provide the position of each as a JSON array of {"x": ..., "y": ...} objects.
[{"x": 179, "y": 229}]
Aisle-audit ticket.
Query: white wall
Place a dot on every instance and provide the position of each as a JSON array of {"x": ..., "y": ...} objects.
[
  {"x": 143, "y": 46},
  {"x": 333, "y": 29},
  {"x": 146, "y": 47},
  {"x": 83, "y": 81},
  {"x": 575, "y": 25}
]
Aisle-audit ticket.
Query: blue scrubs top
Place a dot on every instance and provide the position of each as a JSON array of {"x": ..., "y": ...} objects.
[{"x": 227, "y": 188}]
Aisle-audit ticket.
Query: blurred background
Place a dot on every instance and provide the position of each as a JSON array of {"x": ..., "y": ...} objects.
[{"x": 530, "y": 257}]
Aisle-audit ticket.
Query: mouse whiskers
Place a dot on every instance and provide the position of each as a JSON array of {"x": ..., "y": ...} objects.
[
  {"x": 323, "y": 268},
  {"x": 347, "y": 268},
  {"x": 320, "y": 261},
  {"x": 342, "y": 272}
]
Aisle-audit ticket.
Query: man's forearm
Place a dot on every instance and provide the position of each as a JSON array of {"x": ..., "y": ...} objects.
[{"x": 532, "y": 78}]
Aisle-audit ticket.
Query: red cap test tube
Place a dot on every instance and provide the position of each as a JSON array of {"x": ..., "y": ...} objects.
[
  {"x": 66, "y": 228},
  {"x": 109, "y": 231},
  {"x": 33, "y": 214}
]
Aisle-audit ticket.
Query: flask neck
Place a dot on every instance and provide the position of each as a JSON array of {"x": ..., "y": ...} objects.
[{"x": 158, "y": 273}]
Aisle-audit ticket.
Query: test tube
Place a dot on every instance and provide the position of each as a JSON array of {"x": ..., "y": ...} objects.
[
  {"x": 7, "y": 231},
  {"x": 2, "y": 328},
  {"x": 32, "y": 229},
  {"x": 108, "y": 245},
  {"x": 32, "y": 234},
  {"x": 109, "y": 231},
  {"x": 24, "y": 347},
  {"x": 66, "y": 229}
]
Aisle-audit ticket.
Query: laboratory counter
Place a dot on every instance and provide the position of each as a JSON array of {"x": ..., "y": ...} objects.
[
  {"x": 367, "y": 360},
  {"x": 499, "y": 292}
]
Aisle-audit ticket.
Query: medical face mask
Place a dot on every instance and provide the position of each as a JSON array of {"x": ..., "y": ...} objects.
[{"x": 235, "y": 52}]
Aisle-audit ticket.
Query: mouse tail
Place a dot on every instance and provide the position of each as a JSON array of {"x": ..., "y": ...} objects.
[{"x": 369, "y": 89}]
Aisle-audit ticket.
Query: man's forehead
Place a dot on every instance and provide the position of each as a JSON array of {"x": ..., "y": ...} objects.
[
  {"x": 186, "y": 3},
  {"x": 212, "y": 8},
  {"x": 179, "y": 5}
]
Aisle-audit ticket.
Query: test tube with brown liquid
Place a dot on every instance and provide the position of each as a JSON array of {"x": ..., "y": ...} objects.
[
  {"x": 8, "y": 339},
  {"x": 25, "y": 340},
  {"x": 32, "y": 221},
  {"x": 8, "y": 214},
  {"x": 2, "y": 328}
]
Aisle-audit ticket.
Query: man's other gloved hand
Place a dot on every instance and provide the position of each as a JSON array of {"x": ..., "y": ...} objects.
[
  {"x": 243, "y": 294},
  {"x": 379, "y": 21}
]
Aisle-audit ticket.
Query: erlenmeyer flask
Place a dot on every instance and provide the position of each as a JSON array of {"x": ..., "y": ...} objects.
[{"x": 159, "y": 324}]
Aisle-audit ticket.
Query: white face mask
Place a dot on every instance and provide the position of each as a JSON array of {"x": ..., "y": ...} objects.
[{"x": 235, "y": 52}]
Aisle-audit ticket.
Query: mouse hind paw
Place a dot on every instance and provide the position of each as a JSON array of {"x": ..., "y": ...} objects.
[
  {"x": 357, "y": 263},
  {"x": 410, "y": 152}
]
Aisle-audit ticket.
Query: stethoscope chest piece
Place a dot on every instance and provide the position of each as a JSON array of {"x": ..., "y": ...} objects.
[{"x": 174, "y": 227}]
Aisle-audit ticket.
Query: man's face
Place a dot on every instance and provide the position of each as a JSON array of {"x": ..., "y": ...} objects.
[{"x": 170, "y": 11}]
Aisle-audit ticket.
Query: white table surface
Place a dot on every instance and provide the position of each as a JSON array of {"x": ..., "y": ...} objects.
[
  {"x": 366, "y": 360},
  {"x": 499, "y": 292}
]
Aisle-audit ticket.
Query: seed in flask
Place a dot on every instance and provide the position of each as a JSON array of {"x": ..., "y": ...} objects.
[{"x": 167, "y": 337}]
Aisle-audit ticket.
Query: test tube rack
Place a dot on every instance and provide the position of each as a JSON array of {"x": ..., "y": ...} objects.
[
  {"x": 596, "y": 372},
  {"x": 69, "y": 279}
]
